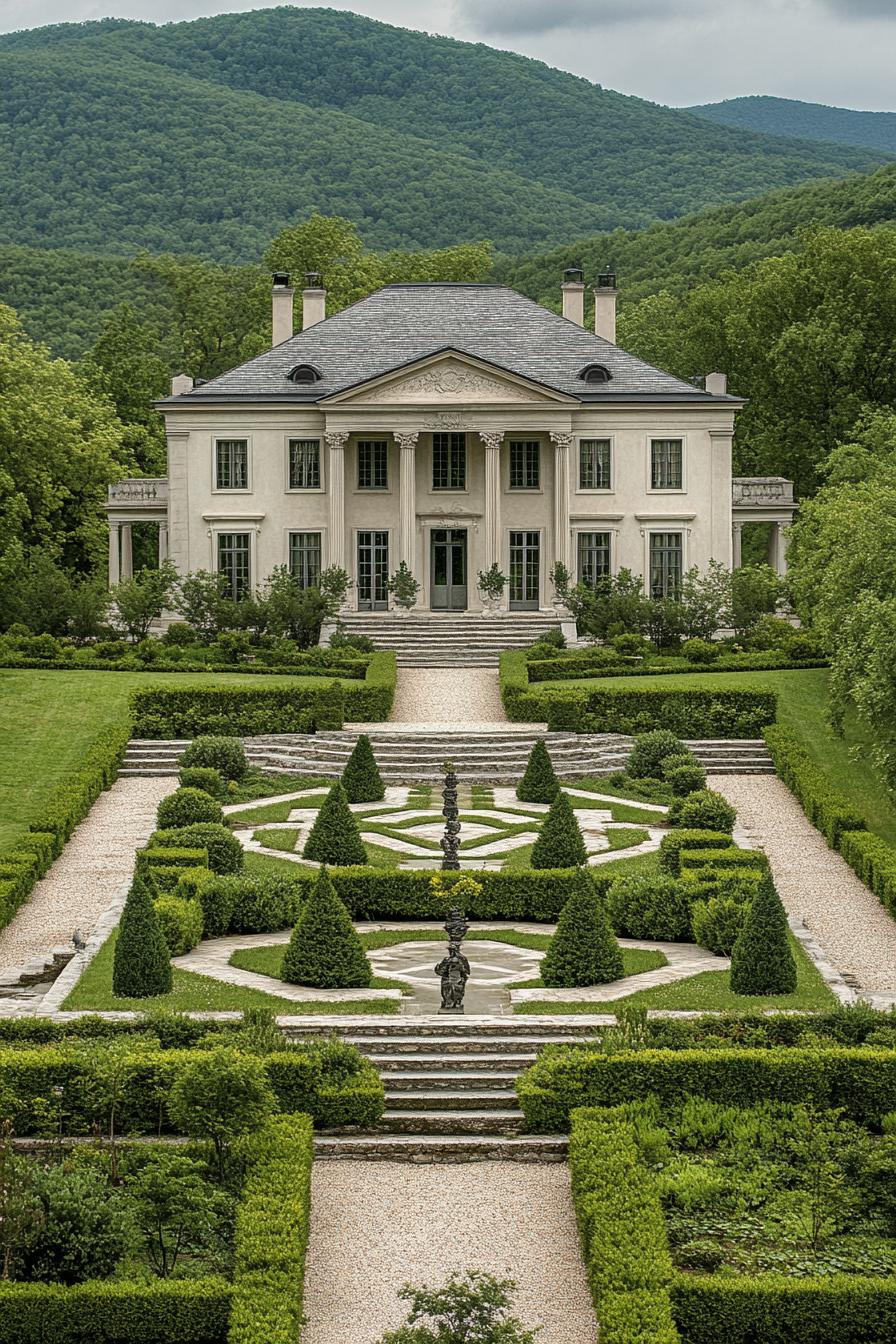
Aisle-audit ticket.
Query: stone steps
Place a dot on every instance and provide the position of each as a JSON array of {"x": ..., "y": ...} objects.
[
  {"x": 442, "y": 1148},
  {"x": 450, "y": 1122},
  {"x": 445, "y": 1099},
  {"x": 432, "y": 639}
]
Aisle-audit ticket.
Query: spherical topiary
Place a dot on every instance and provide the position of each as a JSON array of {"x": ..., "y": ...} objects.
[
  {"x": 539, "y": 784},
  {"x": 704, "y": 810},
  {"x": 141, "y": 968},
  {"x": 361, "y": 777},
  {"x": 559, "y": 843},
  {"x": 583, "y": 951},
  {"x": 651, "y": 907},
  {"x": 701, "y": 651},
  {"x": 683, "y": 776},
  {"x": 324, "y": 950},
  {"x": 185, "y": 807},
  {"x": 224, "y": 754},
  {"x": 761, "y": 959},
  {"x": 180, "y": 922},
  {"x": 203, "y": 777},
  {"x": 649, "y": 752},
  {"x": 334, "y": 837},
  {"x": 717, "y": 922}
]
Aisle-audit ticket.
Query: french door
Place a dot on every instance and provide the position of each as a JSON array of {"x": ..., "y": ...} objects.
[
  {"x": 525, "y": 570},
  {"x": 448, "y": 569},
  {"x": 373, "y": 571}
]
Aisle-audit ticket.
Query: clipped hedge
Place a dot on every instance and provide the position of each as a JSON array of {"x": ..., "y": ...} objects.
[
  {"x": 875, "y": 863},
  {"x": 673, "y": 845},
  {"x": 587, "y": 666},
  {"x": 166, "y": 1311},
  {"x": 779, "y": 1309},
  {"x": 828, "y": 809}
]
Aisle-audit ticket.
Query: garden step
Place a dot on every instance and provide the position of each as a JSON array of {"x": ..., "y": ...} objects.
[
  {"x": 450, "y": 1122},
  {"x": 450, "y": 1078},
  {"x": 442, "y": 1148},
  {"x": 464, "y": 1100},
  {"x": 477, "y": 1064}
]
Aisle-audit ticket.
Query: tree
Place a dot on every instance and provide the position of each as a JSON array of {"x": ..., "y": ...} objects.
[
  {"x": 124, "y": 363},
  {"x": 361, "y": 777},
  {"x": 324, "y": 950},
  {"x": 203, "y": 599},
  {"x": 559, "y": 843},
  {"x": 20, "y": 1207},
  {"x": 539, "y": 783},
  {"x": 471, "y": 1308},
  {"x": 220, "y": 1096},
  {"x": 755, "y": 590},
  {"x": 761, "y": 959},
  {"x": 334, "y": 836},
  {"x": 584, "y": 950},
  {"x": 705, "y": 601},
  {"x": 141, "y": 968},
  {"x": 140, "y": 601},
  {"x": 178, "y": 1213}
]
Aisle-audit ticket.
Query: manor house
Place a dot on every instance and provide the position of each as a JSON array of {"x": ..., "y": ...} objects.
[{"x": 453, "y": 427}]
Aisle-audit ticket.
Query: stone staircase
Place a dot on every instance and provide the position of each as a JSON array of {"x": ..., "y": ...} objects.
[{"x": 443, "y": 639}]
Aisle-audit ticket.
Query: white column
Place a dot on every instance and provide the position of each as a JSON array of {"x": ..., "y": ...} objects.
[
  {"x": 127, "y": 551},
  {"x": 336, "y": 497},
  {"x": 777, "y": 548},
  {"x": 407, "y": 502},
  {"x": 114, "y": 553},
  {"x": 492, "y": 443},
  {"x": 561, "y": 444},
  {"x": 783, "y": 543},
  {"x": 736, "y": 537},
  {"x": 163, "y": 542}
]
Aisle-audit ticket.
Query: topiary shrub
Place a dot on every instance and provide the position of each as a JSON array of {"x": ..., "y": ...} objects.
[
  {"x": 334, "y": 836},
  {"x": 649, "y": 752},
  {"x": 224, "y": 754},
  {"x": 141, "y": 968},
  {"x": 225, "y": 853},
  {"x": 651, "y": 907},
  {"x": 539, "y": 783},
  {"x": 717, "y": 922},
  {"x": 702, "y": 651},
  {"x": 683, "y": 776},
  {"x": 704, "y": 810},
  {"x": 559, "y": 843},
  {"x": 324, "y": 950},
  {"x": 329, "y": 709},
  {"x": 583, "y": 951},
  {"x": 181, "y": 923},
  {"x": 203, "y": 777},
  {"x": 361, "y": 777},
  {"x": 184, "y": 807},
  {"x": 761, "y": 959}
]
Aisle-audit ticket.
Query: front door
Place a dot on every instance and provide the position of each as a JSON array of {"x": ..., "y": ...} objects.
[
  {"x": 448, "y": 569},
  {"x": 525, "y": 570},
  {"x": 373, "y": 571}
]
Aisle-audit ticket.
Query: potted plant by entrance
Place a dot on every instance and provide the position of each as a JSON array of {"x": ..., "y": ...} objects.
[
  {"x": 491, "y": 590},
  {"x": 561, "y": 579},
  {"x": 404, "y": 588}
]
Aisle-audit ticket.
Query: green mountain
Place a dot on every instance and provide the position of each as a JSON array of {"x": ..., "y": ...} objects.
[
  {"x": 806, "y": 121},
  {"x": 209, "y": 136}
]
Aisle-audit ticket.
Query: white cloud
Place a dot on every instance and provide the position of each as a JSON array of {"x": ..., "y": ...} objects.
[{"x": 544, "y": 16}]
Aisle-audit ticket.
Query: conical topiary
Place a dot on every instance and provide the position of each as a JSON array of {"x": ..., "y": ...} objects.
[
  {"x": 559, "y": 843},
  {"x": 584, "y": 950},
  {"x": 539, "y": 784},
  {"x": 334, "y": 836},
  {"x": 142, "y": 967},
  {"x": 324, "y": 950},
  {"x": 361, "y": 777},
  {"x": 761, "y": 959}
]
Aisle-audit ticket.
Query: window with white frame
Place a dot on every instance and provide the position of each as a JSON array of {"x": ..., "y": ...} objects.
[
  {"x": 666, "y": 563},
  {"x": 666, "y": 457},
  {"x": 304, "y": 464},
  {"x": 234, "y": 550},
  {"x": 304, "y": 557},
  {"x": 231, "y": 464},
  {"x": 449, "y": 461},
  {"x": 525, "y": 464},
  {"x": 373, "y": 464},
  {"x": 593, "y": 557},
  {"x": 594, "y": 464}
]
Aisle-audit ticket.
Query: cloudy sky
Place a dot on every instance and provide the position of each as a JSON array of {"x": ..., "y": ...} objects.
[{"x": 672, "y": 51}]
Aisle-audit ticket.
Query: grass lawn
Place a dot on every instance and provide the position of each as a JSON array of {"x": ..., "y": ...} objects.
[
  {"x": 199, "y": 993},
  {"x": 635, "y": 961},
  {"x": 279, "y": 839},
  {"x": 634, "y": 866},
  {"x": 269, "y": 961}
]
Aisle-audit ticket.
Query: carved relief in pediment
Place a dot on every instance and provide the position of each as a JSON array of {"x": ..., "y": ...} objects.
[{"x": 450, "y": 381}]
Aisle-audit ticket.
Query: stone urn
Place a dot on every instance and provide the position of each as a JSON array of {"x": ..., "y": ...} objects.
[{"x": 491, "y": 603}]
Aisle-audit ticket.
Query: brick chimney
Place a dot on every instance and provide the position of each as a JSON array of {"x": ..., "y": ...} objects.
[
  {"x": 605, "y": 292},
  {"x": 314, "y": 300},
  {"x": 281, "y": 308},
  {"x": 573, "y": 290}
]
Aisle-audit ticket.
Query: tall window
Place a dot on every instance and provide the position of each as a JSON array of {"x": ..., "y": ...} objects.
[
  {"x": 232, "y": 464},
  {"x": 594, "y": 557},
  {"x": 665, "y": 564},
  {"x": 304, "y": 557},
  {"x": 304, "y": 464},
  {"x": 233, "y": 562},
  {"x": 594, "y": 464},
  {"x": 665, "y": 464},
  {"x": 525, "y": 464},
  {"x": 449, "y": 461},
  {"x": 373, "y": 464}
]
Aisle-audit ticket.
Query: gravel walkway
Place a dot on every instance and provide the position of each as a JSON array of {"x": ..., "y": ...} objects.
[
  {"x": 815, "y": 884},
  {"x": 461, "y": 695},
  {"x": 376, "y": 1225},
  {"x": 89, "y": 872}
]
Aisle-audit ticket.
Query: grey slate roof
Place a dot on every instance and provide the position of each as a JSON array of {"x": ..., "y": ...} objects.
[{"x": 401, "y": 324}]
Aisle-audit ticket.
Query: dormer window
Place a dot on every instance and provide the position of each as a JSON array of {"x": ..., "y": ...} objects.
[
  {"x": 595, "y": 373},
  {"x": 304, "y": 374}
]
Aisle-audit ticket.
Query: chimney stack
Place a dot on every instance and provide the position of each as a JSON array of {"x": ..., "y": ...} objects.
[
  {"x": 181, "y": 383},
  {"x": 573, "y": 290},
  {"x": 716, "y": 384},
  {"x": 314, "y": 300},
  {"x": 281, "y": 308},
  {"x": 605, "y": 292}
]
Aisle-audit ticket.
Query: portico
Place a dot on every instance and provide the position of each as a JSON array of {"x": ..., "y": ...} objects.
[
  {"x": 141, "y": 500},
  {"x": 762, "y": 499}
]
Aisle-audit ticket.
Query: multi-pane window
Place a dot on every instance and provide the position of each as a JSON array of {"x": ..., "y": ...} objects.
[
  {"x": 304, "y": 464},
  {"x": 665, "y": 564},
  {"x": 232, "y": 464},
  {"x": 233, "y": 562},
  {"x": 524, "y": 464},
  {"x": 594, "y": 557},
  {"x": 373, "y": 464},
  {"x": 665, "y": 464},
  {"x": 594, "y": 464},
  {"x": 449, "y": 461},
  {"x": 304, "y": 557}
]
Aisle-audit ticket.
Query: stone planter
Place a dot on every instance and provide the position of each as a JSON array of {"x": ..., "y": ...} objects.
[{"x": 491, "y": 603}]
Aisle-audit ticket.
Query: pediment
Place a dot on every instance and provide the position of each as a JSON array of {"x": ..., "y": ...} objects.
[{"x": 448, "y": 379}]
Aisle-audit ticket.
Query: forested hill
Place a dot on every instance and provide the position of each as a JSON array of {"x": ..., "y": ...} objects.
[
  {"x": 807, "y": 121},
  {"x": 209, "y": 136}
]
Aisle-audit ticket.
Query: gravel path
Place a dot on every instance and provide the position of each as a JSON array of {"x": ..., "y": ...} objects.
[
  {"x": 853, "y": 928},
  {"x": 376, "y": 1225},
  {"x": 84, "y": 880},
  {"x": 461, "y": 695}
]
